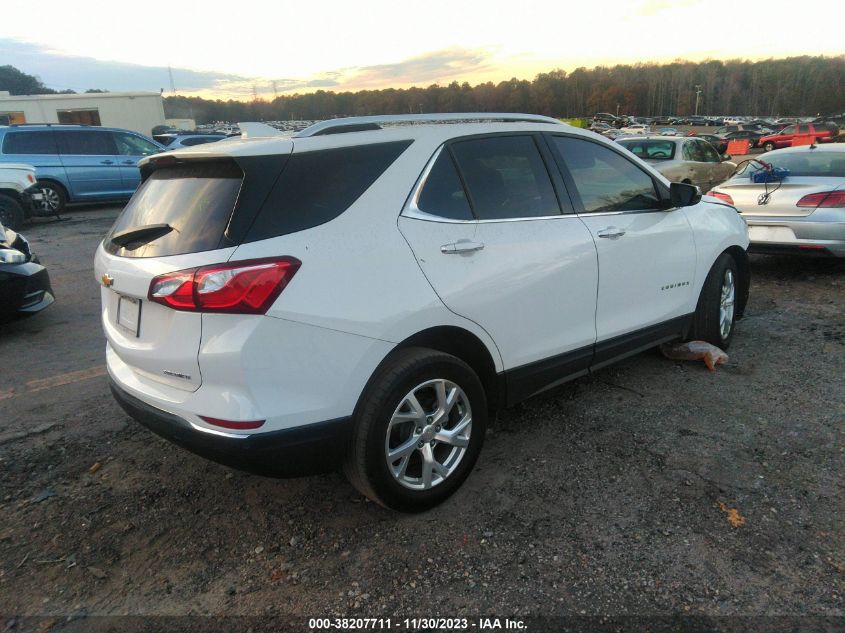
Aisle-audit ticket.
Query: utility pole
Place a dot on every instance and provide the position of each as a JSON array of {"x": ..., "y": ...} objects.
[
  {"x": 275, "y": 90},
  {"x": 697, "y": 98},
  {"x": 170, "y": 72}
]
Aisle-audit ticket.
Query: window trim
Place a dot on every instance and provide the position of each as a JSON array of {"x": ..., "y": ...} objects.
[
  {"x": 411, "y": 208},
  {"x": 660, "y": 188}
]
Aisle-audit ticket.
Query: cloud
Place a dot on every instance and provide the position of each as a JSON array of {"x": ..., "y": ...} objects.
[
  {"x": 430, "y": 67},
  {"x": 61, "y": 71}
]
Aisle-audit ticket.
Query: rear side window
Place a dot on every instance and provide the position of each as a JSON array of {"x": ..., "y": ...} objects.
[
  {"x": 200, "y": 140},
  {"x": 316, "y": 187},
  {"x": 505, "y": 177},
  {"x": 85, "y": 143},
  {"x": 443, "y": 194},
  {"x": 29, "y": 143},
  {"x": 195, "y": 200},
  {"x": 604, "y": 180}
]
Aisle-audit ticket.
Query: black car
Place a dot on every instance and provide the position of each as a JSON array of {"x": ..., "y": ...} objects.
[
  {"x": 24, "y": 282},
  {"x": 751, "y": 135},
  {"x": 718, "y": 142}
]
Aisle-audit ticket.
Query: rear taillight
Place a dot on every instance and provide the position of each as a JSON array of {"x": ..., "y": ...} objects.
[
  {"x": 721, "y": 196},
  {"x": 246, "y": 287},
  {"x": 231, "y": 424},
  {"x": 823, "y": 199}
]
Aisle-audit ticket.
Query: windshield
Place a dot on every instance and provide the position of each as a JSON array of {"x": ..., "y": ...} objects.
[
  {"x": 195, "y": 200},
  {"x": 650, "y": 149},
  {"x": 816, "y": 163}
]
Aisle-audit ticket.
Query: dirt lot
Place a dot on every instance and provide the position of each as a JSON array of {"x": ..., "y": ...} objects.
[{"x": 652, "y": 487}]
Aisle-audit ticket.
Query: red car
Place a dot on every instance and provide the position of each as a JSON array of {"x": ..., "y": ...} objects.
[{"x": 820, "y": 131}]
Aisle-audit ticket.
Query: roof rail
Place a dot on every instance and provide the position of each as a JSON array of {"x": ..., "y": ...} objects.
[{"x": 359, "y": 123}]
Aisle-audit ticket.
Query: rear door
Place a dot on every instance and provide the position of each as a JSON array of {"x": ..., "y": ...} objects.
[
  {"x": 91, "y": 163},
  {"x": 487, "y": 230},
  {"x": 36, "y": 148},
  {"x": 132, "y": 148},
  {"x": 646, "y": 253}
]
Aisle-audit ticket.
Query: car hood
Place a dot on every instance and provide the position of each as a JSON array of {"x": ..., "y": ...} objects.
[{"x": 17, "y": 166}]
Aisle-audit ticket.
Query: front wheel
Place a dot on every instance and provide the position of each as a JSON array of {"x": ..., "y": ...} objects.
[
  {"x": 418, "y": 430},
  {"x": 54, "y": 198},
  {"x": 715, "y": 314},
  {"x": 11, "y": 213},
  {"x": 768, "y": 146}
]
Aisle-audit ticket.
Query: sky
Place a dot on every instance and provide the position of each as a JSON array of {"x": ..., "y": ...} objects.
[{"x": 234, "y": 50}]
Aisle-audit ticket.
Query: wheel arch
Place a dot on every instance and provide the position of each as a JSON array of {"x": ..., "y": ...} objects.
[{"x": 56, "y": 182}]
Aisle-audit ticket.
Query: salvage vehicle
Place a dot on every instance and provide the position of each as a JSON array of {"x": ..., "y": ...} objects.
[
  {"x": 362, "y": 292},
  {"x": 77, "y": 163},
  {"x": 24, "y": 283},
  {"x": 820, "y": 132},
  {"x": 793, "y": 200},
  {"x": 687, "y": 159},
  {"x": 18, "y": 194}
]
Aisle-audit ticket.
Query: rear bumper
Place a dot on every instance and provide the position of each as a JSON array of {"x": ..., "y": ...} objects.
[
  {"x": 303, "y": 450},
  {"x": 820, "y": 233}
]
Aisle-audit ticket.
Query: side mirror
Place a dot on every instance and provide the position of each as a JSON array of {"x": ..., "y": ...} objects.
[{"x": 683, "y": 195}]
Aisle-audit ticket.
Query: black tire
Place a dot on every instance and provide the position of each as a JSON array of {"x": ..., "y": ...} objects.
[
  {"x": 768, "y": 147},
  {"x": 366, "y": 464},
  {"x": 707, "y": 321},
  {"x": 55, "y": 198},
  {"x": 11, "y": 212}
]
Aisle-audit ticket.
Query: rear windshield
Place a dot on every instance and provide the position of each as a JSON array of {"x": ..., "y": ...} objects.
[
  {"x": 195, "y": 200},
  {"x": 816, "y": 163},
  {"x": 651, "y": 150}
]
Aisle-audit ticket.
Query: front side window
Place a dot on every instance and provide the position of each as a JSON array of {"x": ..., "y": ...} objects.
[
  {"x": 505, "y": 177},
  {"x": 85, "y": 143},
  {"x": 604, "y": 180},
  {"x": 692, "y": 151},
  {"x": 29, "y": 143},
  {"x": 709, "y": 152},
  {"x": 443, "y": 194},
  {"x": 789, "y": 130},
  {"x": 131, "y": 145}
]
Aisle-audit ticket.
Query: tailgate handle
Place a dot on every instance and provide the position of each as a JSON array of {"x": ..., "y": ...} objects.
[{"x": 461, "y": 246}]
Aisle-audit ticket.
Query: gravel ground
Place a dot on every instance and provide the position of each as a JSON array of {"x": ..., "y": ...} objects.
[{"x": 650, "y": 488}]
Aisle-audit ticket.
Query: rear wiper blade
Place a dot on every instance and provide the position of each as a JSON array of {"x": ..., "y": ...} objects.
[{"x": 133, "y": 238}]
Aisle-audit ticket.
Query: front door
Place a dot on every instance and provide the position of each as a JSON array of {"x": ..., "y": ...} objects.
[
  {"x": 646, "y": 253},
  {"x": 132, "y": 148},
  {"x": 487, "y": 230}
]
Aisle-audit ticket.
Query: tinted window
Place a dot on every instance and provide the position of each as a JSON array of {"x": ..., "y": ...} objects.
[
  {"x": 29, "y": 143},
  {"x": 87, "y": 143},
  {"x": 605, "y": 181},
  {"x": 443, "y": 194},
  {"x": 693, "y": 151},
  {"x": 654, "y": 149},
  {"x": 816, "y": 163},
  {"x": 316, "y": 187},
  {"x": 709, "y": 152},
  {"x": 131, "y": 145},
  {"x": 789, "y": 130},
  {"x": 200, "y": 140},
  {"x": 505, "y": 177},
  {"x": 196, "y": 199}
]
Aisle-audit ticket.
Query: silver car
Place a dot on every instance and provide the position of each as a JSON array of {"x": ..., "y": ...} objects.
[
  {"x": 682, "y": 159},
  {"x": 804, "y": 212}
]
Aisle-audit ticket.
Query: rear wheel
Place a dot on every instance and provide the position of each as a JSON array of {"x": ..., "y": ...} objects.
[
  {"x": 54, "y": 199},
  {"x": 715, "y": 313},
  {"x": 11, "y": 212},
  {"x": 418, "y": 430}
]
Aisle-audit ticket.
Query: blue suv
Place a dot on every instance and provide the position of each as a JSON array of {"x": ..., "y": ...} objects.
[{"x": 78, "y": 163}]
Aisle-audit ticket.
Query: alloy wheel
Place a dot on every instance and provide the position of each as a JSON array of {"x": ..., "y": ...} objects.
[
  {"x": 428, "y": 434},
  {"x": 51, "y": 200},
  {"x": 726, "y": 304}
]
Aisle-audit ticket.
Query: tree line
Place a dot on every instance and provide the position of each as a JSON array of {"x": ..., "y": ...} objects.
[
  {"x": 807, "y": 85},
  {"x": 793, "y": 86}
]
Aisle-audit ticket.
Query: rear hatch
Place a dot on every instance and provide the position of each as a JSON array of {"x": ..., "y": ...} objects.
[{"x": 190, "y": 211}]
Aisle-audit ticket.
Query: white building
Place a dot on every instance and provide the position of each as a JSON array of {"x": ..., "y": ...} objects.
[{"x": 138, "y": 111}]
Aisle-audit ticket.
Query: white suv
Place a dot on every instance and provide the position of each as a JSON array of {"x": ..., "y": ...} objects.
[{"x": 362, "y": 293}]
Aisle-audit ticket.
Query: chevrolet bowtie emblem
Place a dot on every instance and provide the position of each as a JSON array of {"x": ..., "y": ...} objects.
[{"x": 107, "y": 280}]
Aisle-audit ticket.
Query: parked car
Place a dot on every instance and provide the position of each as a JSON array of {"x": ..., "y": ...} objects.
[
  {"x": 636, "y": 128},
  {"x": 668, "y": 131},
  {"x": 24, "y": 282},
  {"x": 718, "y": 142},
  {"x": 819, "y": 131},
  {"x": 605, "y": 117},
  {"x": 287, "y": 306},
  {"x": 663, "y": 120},
  {"x": 18, "y": 194},
  {"x": 600, "y": 126},
  {"x": 682, "y": 159},
  {"x": 190, "y": 140},
  {"x": 749, "y": 135},
  {"x": 78, "y": 163},
  {"x": 805, "y": 212}
]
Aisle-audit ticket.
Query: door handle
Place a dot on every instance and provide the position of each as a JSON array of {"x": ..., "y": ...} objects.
[
  {"x": 611, "y": 232},
  {"x": 461, "y": 246},
  {"x": 129, "y": 162},
  {"x": 107, "y": 162}
]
